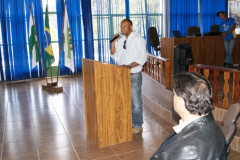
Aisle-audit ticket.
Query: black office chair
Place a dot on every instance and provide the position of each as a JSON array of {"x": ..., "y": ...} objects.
[
  {"x": 214, "y": 28},
  {"x": 153, "y": 38},
  {"x": 193, "y": 31}
]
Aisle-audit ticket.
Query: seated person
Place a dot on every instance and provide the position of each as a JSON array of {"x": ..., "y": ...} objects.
[{"x": 197, "y": 136}]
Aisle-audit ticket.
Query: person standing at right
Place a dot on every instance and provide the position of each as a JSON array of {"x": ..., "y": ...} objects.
[{"x": 227, "y": 27}]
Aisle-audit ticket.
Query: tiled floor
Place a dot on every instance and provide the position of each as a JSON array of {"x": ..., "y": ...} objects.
[{"x": 36, "y": 125}]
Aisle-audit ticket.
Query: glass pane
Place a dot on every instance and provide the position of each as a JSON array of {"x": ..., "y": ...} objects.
[
  {"x": 235, "y": 13},
  {"x": 108, "y": 7},
  {"x": 139, "y": 25},
  {"x": 156, "y": 21},
  {"x": 53, "y": 26},
  {"x": 55, "y": 48},
  {"x": 137, "y": 6},
  {"x": 51, "y": 5},
  {"x": 118, "y": 7},
  {"x": 117, "y": 21},
  {"x": 155, "y": 6}
]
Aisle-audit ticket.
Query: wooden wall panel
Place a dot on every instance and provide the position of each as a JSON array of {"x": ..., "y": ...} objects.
[
  {"x": 207, "y": 50},
  {"x": 236, "y": 51}
]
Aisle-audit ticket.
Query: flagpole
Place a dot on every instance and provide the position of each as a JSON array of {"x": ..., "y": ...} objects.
[
  {"x": 61, "y": 44},
  {"x": 51, "y": 72},
  {"x": 38, "y": 44},
  {"x": 51, "y": 64}
]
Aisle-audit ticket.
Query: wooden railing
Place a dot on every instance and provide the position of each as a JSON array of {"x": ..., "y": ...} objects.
[
  {"x": 219, "y": 77},
  {"x": 159, "y": 69}
]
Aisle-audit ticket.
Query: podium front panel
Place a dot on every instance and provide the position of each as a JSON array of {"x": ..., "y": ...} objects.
[{"x": 112, "y": 92}]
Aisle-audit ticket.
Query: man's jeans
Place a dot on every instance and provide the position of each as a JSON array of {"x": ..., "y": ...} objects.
[
  {"x": 229, "y": 46},
  {"x": 136, "y": 91}
]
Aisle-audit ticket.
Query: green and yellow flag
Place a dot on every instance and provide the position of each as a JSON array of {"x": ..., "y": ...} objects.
[{"x": 49, "y": 56}]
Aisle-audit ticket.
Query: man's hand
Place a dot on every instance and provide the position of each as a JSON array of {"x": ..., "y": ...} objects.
[
  {"x": 125, "y": 66},
  {"x": 224, "y": 34},
  {"x": 113, "y": 49}
]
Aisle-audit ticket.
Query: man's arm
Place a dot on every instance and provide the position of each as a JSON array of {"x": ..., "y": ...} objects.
[
  {"x": 132, "y": 65},
  {"x": 229, "y": 31}
]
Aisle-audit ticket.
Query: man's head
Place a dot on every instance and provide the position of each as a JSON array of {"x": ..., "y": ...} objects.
[
  {"x": 126, "y": 27},
  {"x": 222, "y": 15},
  {"x": 194, "y": 92}
]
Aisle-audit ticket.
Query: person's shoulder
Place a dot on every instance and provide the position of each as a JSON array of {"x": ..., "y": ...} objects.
[{"x": 231, "y": 19}]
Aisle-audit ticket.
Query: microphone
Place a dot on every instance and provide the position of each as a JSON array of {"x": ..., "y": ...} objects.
[{"x": 114, "y": 38}]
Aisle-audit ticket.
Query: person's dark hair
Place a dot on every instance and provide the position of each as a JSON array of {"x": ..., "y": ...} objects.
[
  {"x": 220, "y": 12},
  {"x": 130, "y": 22},
  {"x": 195, "y": 91}
]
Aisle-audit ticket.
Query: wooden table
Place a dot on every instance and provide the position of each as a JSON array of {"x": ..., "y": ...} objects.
[{"x": 208, "y": 50}]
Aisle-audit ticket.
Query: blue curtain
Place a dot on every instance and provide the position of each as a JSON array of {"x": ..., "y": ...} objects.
[
  {"x": 1, "y": 67},
  {"x": 183, "y": 13},
  {"x": 14, "y": 24},
  {"x": 127, "y": 9},
  {"x": 88, "y": 28},
  {"x": 14, "y": 40},
  {"x": 74, "y": 17},
  {"x": 208, "y": 10},
  {"x": 37, "y": 10}
]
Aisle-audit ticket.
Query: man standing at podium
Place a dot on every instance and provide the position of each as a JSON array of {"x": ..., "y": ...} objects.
[{"x": 130, "y": 51}]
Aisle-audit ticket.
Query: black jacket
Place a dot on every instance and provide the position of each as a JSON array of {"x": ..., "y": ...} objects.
[{"x": 202, "y": 139}]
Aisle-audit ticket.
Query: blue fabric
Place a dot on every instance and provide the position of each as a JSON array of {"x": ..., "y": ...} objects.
[
  {"x": 127, "y": 9},
  {"x": 74, "y": 17},
  {"x": 183, "y": 14},
  {"x": 4, "y": 26},
  {"x": 229, "y": 46},
  {"x": 136, "y": 93},
  {"x": 1, "y": 67},
  {"x": 88, "y": 29},
  {"x": 226, "y": 25},
  {"x": 59, "y": 8},
  {"x": 15, "y": 38},
  {"x": 37, "y": 11},
  {"x": 208, "y": 10}
]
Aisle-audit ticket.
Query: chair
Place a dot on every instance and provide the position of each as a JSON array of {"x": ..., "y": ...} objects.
[
  {"x": 153, "y": 38},
  {"x": 232, "y": 114},
  {"x": 193, "y": 31},
  {"x": 229, "y": 126},
  {"x": 229, "y": 132},
  {"x": 215, "y": 28}
]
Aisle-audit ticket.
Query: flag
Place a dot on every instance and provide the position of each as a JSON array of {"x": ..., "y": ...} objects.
[
  {"x": 68, "y": 53},
  {"x": 33, "y": 46},
  {"x": 49, "y": 57}
]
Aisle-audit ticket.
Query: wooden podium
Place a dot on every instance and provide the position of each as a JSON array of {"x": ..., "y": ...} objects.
[{"x": 107, "y": 99}]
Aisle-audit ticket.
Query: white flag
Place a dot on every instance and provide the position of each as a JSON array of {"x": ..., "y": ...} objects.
[
  {"x": 68, "y": 53},
  {"x": 33, "y": 47}
]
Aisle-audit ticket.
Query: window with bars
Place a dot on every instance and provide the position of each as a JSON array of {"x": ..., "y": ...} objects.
[{"x": 107, "y": 16}]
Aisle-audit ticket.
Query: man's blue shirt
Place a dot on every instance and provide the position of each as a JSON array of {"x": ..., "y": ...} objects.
[{"x": 226, "y": 25}]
